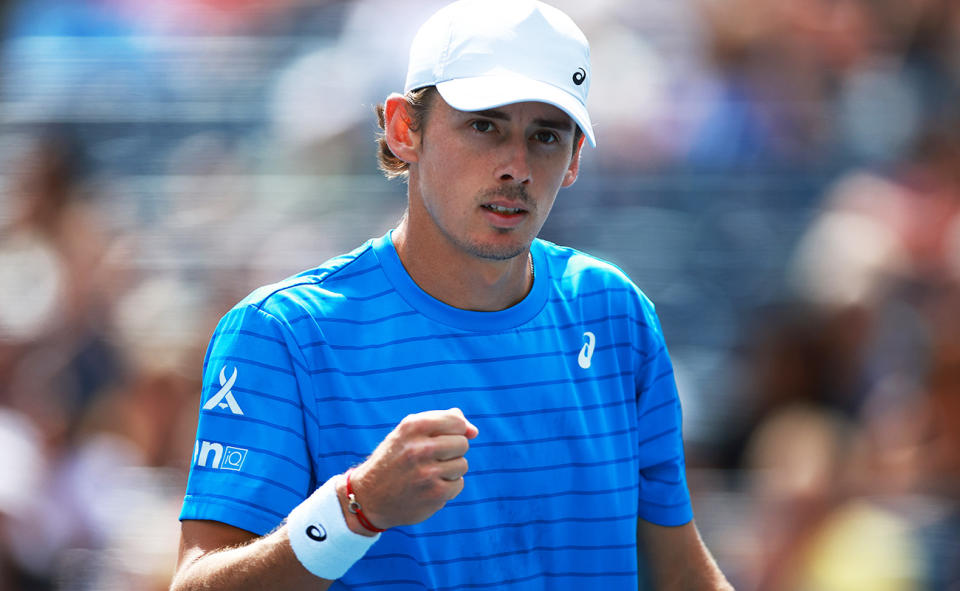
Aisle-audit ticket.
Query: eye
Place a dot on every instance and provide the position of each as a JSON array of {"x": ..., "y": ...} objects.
[
  {"x": 546, "y": 137},
  {"x": 482, "y": 125}
]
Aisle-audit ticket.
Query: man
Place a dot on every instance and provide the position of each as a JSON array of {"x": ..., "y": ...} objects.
[{"x": 373, "y": 376}]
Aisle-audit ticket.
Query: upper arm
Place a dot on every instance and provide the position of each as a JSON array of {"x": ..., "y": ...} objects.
[
  {"x": 663, "y": 494},
  {"x": 251, "y": 462}
]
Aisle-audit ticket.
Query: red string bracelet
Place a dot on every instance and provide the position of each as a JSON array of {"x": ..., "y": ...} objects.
[{"x": 354, "y": 506}]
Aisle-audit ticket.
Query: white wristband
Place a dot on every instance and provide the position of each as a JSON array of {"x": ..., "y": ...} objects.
[{"x": 320, "y": 537}]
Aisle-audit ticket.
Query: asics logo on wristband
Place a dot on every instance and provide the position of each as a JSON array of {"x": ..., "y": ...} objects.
[
  {"x": 224, "y": 398},
  {"x": 317, "y": 532},
  {"x": 319, "y": 535}
]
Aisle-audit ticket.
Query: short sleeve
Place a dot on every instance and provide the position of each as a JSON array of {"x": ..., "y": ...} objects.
[
  {"x": 251, "y": 461},
  {"x": 664, "y": 498}
]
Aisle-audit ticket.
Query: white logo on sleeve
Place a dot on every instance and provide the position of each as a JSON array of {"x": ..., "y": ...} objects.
[
  {"x": 224, "y": 397},
  {"x": 214, "y": 455},
  {"x": 586, "y": 352}
]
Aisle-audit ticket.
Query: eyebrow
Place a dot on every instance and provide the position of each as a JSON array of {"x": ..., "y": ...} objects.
[{"x": 558, "y": 124}]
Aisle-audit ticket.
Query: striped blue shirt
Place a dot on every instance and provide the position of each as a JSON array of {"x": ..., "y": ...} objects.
[{"x": 572, "y": 390}]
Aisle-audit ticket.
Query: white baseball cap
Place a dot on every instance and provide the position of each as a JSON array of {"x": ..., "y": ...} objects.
[{"x": 482, "y": 54}]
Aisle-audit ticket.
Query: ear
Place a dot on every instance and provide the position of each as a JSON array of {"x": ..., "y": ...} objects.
[
  {"x": 403, "y": 141},
  {"x": 574, "y": 168}
]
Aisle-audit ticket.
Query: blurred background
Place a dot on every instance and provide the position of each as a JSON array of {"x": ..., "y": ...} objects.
[{"x": 781, "y": 177}]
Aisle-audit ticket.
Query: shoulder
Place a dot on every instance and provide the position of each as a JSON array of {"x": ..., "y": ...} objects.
[
  {"x": 344, "y": 278},
  {"x": 575, "y": 272},
  {"x": 593, "y": 281}
]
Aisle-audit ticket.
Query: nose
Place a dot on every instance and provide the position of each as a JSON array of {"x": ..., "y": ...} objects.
[{"x": 514, "y": 163}]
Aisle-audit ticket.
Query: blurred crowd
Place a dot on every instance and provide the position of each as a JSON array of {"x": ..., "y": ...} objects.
[{"x": 160, "y": 159}]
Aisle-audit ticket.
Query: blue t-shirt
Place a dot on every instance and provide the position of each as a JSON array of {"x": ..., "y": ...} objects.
[{"x": 572, "y": 390}]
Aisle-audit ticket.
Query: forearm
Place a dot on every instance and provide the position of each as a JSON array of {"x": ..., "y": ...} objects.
[
  {"x": 409, "y": 476},
  {"x": 679, "y": 560},
  {"x": 264, "y": 563},
  {"x": 700, "y": 574},
  {"x": 318, "y": 543}
]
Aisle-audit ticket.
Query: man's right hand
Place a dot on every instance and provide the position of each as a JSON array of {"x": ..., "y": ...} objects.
[{"x": 415, "y": 470}]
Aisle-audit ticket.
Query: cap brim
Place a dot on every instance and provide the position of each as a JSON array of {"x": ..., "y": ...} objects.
[{"x": 488, "y": 92}]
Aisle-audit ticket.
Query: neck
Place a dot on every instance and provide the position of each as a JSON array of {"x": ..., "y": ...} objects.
[{"x": 460, "y": 279}]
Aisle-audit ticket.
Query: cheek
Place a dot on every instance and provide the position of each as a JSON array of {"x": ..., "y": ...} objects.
[
  {"x": 553, "y": 171},
  {"x": 447, "y": 185},
  {"x": 445, "y": 171}
]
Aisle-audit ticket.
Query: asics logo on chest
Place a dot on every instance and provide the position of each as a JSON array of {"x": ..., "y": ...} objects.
[{"x": 586, "y": 352}]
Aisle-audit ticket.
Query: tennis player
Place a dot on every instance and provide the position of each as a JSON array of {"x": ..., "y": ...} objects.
[{"x": 340, "y": 406}]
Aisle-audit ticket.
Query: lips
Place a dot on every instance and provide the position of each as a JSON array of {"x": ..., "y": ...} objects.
[
  {"x": 503, "y": 210},
  {"x": 504, "y": 215}
]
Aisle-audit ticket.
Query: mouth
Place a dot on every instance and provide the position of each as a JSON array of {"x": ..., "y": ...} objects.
[
  {"x": 500, "y": 209},
  {"x": 504, "y": 217}
]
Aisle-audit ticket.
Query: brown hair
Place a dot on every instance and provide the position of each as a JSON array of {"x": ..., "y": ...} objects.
[{"x": 419, "y": 101}]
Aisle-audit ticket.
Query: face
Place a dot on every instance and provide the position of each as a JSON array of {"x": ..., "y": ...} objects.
[{"x": 483, "y": 182}]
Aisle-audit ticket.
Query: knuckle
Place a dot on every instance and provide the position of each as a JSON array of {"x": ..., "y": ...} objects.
[
  {"x": 414, "y": 453},
  {"x": 454, "y": 489},
  {"x": 437, "y": 493},
  {"x": 411, "y": 426},
  {"x": 423, "y": 474},
  {"x": 406, "y": 425}
]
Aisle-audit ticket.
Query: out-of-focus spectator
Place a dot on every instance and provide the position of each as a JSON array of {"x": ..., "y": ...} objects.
[
  {"x": 810, "y": 82},
  {"x": 58, "y": 286},
  {"x": 916, "y": 205},
  {"x": 58, "y": 281},
  {"x": 941, "y": 458},
  {"x": 851, "y": 439}
]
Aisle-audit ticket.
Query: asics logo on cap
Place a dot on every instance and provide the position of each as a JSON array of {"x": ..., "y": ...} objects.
[{"x": 482, "y": 54}]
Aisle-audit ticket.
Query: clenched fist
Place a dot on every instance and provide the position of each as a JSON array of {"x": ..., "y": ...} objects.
[{"x": 416, "y": 469}]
